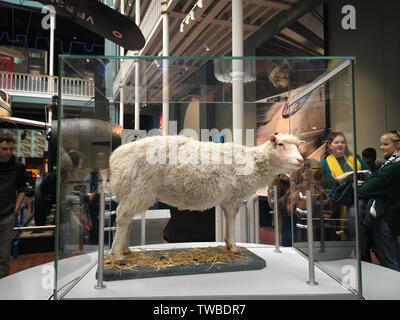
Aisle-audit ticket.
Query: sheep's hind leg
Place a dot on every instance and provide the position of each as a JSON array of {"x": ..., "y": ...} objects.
[
  {"x": 126, "y": 241},
  {"x": 230, "y": 216},
  {"x": 120, "y": 240},
  {"x": 124, "y": 220}
]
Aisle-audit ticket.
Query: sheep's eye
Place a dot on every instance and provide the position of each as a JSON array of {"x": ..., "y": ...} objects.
[{"x": 280, "y": 144}]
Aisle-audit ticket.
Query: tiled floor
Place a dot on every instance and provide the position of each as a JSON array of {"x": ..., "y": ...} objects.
[{"x": 26, "y": 261}]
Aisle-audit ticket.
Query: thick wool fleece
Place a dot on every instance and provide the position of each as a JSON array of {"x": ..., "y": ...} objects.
[{"x": 193, "y": 175}]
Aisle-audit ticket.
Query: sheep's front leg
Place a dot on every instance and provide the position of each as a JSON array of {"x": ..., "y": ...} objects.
[{"x": 230, "y": 217}]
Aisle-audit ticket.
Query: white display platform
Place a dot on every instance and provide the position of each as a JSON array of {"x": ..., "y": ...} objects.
[
  {"x": 28, "y": 284},
  {"x": 284, "y": 277},
  {"x": 378, "y": 283}
]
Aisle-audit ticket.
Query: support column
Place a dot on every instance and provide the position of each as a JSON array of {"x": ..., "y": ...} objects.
[
  {"x": 137, "y": 64},
  {"x": 165, "y": 64},
  {"x": 237, "y": 71},
  {"x": 51, "y": 62},
  {"x": 238, "y": 92},
  {"x": 122, "y": 10},
  {"x": 121, "y": 88},
  {"x": 121, "y": 105},
  {"x": 52, "y": 27}
]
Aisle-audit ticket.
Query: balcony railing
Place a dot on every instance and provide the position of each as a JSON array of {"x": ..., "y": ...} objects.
[
  {"x": 151, "y": 19},
  {"x": 152, "y": 15},
  {"x": 44, "y": 84}
]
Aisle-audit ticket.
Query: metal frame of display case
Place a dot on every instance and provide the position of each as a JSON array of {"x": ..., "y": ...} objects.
[{"x": 347, "y": 62}]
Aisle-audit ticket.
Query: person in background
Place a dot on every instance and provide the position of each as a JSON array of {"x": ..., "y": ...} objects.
[
  {"x": 384, "y": 186},
  {"x": 282, "y": 182},
  {"x": 337, "y": 165},
  {"x": 73, "y": 220},
  {"x": 369, "y": 157},
  {"x": 94, "y": 183},
  {"x": 12, "y": 193}
]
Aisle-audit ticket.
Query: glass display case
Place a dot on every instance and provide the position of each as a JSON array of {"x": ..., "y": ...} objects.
[{"x": 243, "y": 100}]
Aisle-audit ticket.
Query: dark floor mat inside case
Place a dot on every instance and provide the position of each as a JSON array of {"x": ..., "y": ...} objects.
[{"x": 165, "y": 263}]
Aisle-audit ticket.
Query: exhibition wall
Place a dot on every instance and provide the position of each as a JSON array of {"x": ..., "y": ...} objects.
[{"x": 375, "y": 45}]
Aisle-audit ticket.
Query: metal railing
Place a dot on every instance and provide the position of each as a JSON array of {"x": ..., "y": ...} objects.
[
  {"x": 276, "y": 219},
  {"x": 44, "y": 84},
  {"x": 35, "y": 228},
  {"x": 310, "y": 236},
  {"x": 150, "y": 18},
  {"x": 251, "y": 234},
  {"x": 100, "y": 251}
]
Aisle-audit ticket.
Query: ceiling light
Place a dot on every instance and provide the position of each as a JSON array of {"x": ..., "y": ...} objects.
[
  {"x": 191, "y": 15},
  {"x": 181, "y": 27},
  {"x": 206, "y": 47}
]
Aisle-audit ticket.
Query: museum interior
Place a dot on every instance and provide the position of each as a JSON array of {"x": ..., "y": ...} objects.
[{"x": 199, "y": 150}]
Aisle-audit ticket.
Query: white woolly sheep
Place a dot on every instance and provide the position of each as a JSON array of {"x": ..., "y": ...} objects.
[{"x": 192, "y": 175}]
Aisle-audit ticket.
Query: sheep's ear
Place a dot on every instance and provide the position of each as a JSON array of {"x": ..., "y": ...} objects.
[{"x": 272, "y": 138}]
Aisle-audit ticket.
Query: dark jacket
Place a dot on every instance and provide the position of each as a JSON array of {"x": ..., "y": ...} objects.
[
  {"x": 384, "y": 187},
  {"x": 12, "y": 181},
  {"x": 344, "y": 193},
  {"x": 332, "y": 183}
]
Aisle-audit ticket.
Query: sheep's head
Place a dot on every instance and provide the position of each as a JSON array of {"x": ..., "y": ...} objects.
[{"x": 284, "y": 151}]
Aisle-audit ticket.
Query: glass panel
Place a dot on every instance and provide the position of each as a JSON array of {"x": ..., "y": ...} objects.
[
  {"x": 85, "y": 143},
  {"x": 201, "y": 97},
  {"x": 320, "y": 109}
]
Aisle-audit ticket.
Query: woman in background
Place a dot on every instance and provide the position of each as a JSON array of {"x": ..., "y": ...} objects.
[
  {"x": 337, "y": 165},
  {"x": 384, "y": 187}
]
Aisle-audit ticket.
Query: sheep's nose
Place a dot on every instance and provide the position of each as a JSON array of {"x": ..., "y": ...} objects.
[{"x": 300, "y": 161}]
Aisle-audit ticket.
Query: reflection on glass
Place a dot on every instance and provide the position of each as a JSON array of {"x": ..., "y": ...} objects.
[{"x": 306, "y": 97}]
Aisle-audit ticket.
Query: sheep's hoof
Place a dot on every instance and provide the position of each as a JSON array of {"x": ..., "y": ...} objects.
[
  {"x": 120, "y": 262},
  {"x": 117, "y": 256},
  {"x": 231, "y": 247}
]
